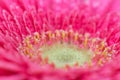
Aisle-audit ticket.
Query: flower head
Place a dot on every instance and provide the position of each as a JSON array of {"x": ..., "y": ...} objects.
[{"x": 59, "y": 40}]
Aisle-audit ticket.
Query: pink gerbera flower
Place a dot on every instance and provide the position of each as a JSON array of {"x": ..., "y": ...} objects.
[{"x": 59, "y": 40}]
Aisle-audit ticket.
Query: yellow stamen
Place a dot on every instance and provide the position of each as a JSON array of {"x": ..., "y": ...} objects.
[
  {"x": 30, "y": 55},
  {"x": 76, "y": 37},
  {"x": 27, "y": 51},
  {"x": 100, "y": 62},
  {"x": 105, "y": 52},
  {"x": 86, "y": 40},
  {"x": 102, "y": 45},
  {"x": 63, "y": 35},
  {"x": 37, "y": 36},
  {"x": 57, "y": 33},
  {"x": 49, "y": 34},
  {"x": 27, "y": 40}
]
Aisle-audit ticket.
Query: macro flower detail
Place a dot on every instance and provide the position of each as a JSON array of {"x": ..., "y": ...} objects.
[
  {"x": 59, "y": 40},
  {"x": 65, "y": 48}
]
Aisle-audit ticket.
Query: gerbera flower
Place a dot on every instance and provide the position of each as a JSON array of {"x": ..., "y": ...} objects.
[{"x": 59, "y": 40}]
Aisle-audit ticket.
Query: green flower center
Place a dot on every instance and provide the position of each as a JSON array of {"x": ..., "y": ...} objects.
[
  {"x": 63, "y": 53},
  {"x": 65, "y": 48}
]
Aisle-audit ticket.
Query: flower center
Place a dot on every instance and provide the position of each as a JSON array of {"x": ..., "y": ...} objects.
[
  {"x": 63, "y": 53},
  {"x": 65, "y": 48}
]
